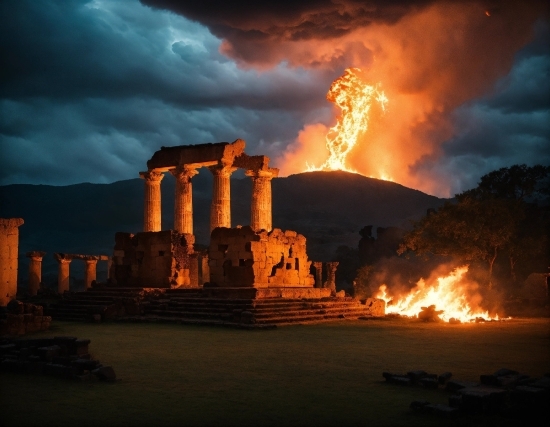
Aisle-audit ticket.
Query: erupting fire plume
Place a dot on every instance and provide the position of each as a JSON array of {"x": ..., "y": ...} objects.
[
  {"x": 448, "y": 294},
  {"x": 354, "y": 97}
]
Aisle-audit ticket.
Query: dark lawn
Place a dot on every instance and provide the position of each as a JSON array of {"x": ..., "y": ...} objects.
[{"x": 316, "y": 375}]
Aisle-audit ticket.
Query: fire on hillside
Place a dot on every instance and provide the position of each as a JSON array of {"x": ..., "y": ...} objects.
[{"x": 449, "y": 298}]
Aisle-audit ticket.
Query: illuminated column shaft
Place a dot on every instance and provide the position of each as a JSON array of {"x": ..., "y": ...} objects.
[
  {"x": 63, "y": 273},
  {"x": 9, "y": 257},
  {"x": 151, "y": 208},
  {"x": 35, "y": 271},
  {"x": 220, "y": 209},
  {"x": 91, "y": 271},
  {"x": 261, "y": 207},
  {"x": 183, "y": 203}
]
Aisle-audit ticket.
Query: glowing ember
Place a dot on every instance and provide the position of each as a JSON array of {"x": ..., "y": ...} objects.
[
  {"x": 449, "y": 294},
  {"x": 354, "y": 97}
]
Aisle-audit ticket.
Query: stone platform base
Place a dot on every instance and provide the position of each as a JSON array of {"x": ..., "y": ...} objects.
[
  {"x": 236, "y": 307},
  {"x": 262, "y": 293}
]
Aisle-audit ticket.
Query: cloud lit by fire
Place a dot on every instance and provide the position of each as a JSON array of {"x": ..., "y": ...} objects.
[
  {"x": 119, "y": 79},
  {"x": 429, "y": 64}
]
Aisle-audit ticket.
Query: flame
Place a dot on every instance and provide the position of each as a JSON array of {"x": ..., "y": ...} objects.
[
  {"x": 354, "y": 97},
  {"x": 447, "y": 294}
]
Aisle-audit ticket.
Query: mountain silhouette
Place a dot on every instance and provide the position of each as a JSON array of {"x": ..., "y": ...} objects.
[{"x": 329, "y": 208}]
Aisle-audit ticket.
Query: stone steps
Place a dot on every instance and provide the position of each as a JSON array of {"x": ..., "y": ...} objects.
[
  {"x": 280, "y": 311},
  {"x": 188, "y": 306}
]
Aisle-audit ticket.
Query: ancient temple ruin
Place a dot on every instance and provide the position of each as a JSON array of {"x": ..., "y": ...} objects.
[
  {"x": 159, "y": 261},
  {"x": 249, "y": 275},
  {"x": 221, "y": 159}
]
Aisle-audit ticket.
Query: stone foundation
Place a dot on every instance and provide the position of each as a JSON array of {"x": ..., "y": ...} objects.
[
  {"x": 263, "y": 293},
  {"x": 154, "y": 259},
  {"x": 241, "y": 257},
  {"x": 23, "y": 318}
]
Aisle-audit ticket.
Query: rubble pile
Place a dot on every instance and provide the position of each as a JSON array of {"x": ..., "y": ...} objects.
[
  {"x": 505, "y": 392},
  {"x": 21, "y": 318},
  {"x": 62, "y": 357}
]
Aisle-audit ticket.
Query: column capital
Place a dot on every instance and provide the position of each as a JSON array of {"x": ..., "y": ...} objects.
[
  {"x": 184, "y": 173},
  {"x": 151, "y": 176},
  {"x": 222, "y": 170},
  {"x": 268, "y": 173},
  {"x": 11, "y": 222},
  {"x": 62, "y": 258},
  {"x": 35, "y": 255}
]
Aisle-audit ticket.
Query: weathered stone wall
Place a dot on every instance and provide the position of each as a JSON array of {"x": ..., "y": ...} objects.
[
  {"x": 9, "y": 248},
  {"x": 240, "y": 257},
  {"x": 22, "y": 318},
  {"x": 153, "y": 259}
]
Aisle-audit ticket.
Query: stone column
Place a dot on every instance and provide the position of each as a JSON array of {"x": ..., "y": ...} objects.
[
  {"x": 331, "y": 275},
  {"x": 35, "y": 270},
  {"x": 91, "y": 270},
  {"x": 318, "y": 265},
  {"x": 63, "y": 274},
  {"x": 260, "y": 208},
  {"x": 151, "y": 208},
  {"x": 220, "y": 209},
  {"x": 183, "y": 202},
  {"x": 9, "y": 251}
]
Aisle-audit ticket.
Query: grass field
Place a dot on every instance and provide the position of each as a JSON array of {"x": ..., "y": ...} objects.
[{"x": 315, "y": 375}]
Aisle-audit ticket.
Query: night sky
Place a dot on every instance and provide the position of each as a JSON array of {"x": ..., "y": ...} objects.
[{"x": 90, "y": 89}]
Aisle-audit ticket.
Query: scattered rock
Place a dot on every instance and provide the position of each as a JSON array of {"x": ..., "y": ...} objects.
[
  {"x": 429, "y": 314},
  {"x": 105, "y": 373},
  {"x": 62, "y": 357},
  {"x": 454, "y": 385},
  {"x": 444, "y": 377}
]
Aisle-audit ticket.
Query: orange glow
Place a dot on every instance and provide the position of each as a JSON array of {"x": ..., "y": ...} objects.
[
  {"x": 355, "y": 98},
  {"x": 450, "y": 293},
  {"x": 428, "y": 64},
  {"x": 487, "y": 13}
]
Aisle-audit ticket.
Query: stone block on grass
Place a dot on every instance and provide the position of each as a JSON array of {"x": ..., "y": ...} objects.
[{"x": 105, "y": 373}]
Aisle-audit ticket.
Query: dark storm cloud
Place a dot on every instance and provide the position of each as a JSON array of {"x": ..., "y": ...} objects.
[
  {"x": 288, "y": 19},
  {"x": 253, "y": 29},
  {"x": 90, "y": 89},
  {"x": 71, "y": 50},
  {"x": 511, "y": 126}
]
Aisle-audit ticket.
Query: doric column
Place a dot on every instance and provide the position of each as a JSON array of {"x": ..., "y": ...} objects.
[
  {"x": 318, "y": 265},
  {"x": 9, "y": 250},
  {"x": 220, "y": 210},
  {"x": 63, "y": 274},
  {"x": 91, "y": 270},
  {"x": 35, "y": 270},
  {"x": 260, "y": 208},
  {"x": 151, "y": 207},
  {"x": 331, "y": 275},
  {"x": 183, "y": 202}
]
